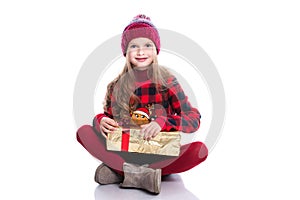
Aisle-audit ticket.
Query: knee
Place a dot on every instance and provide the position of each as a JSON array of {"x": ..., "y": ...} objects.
[
  {"x": 82, "y": 132},
  {"x": 203, "y": 151}
]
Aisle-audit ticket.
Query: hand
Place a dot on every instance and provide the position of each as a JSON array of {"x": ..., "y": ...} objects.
[
  {"x": 150, "y": 130},
  {"x": 108, "y": 125}
]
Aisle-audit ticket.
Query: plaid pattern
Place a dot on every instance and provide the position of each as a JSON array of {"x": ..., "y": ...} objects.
[{"x": 172, "y": 110}]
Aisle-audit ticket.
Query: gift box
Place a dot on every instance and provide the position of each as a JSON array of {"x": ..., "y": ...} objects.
[{"x": 131, "y": 140}]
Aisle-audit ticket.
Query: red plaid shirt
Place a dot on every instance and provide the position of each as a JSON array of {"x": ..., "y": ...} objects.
[{"x": 172, "y": 110}]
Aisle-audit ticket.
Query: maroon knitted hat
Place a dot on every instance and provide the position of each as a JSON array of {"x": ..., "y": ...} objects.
[{"x": 140, "y": 26}]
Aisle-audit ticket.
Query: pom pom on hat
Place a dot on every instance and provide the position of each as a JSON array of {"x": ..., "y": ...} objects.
[{"x": 140, "y": 26}]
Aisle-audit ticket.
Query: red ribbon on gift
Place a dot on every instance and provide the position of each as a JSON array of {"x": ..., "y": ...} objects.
[{"x": 125, "y": 139}]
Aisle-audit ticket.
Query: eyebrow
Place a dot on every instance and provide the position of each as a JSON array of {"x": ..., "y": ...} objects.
[{"x": 134, "y": 43}]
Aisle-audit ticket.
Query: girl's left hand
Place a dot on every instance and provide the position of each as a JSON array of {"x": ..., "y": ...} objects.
[{"x": 150, "y": 130}]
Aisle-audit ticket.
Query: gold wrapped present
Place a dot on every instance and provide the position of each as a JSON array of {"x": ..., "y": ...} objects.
[{"x": 131, "y": 140}]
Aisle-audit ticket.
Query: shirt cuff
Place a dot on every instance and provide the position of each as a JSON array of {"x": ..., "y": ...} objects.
[
  {"x": 97, "y": 120},
  {"x": 161, "y": 121}
]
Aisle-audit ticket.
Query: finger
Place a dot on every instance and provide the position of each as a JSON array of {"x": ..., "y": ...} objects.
[
  {"x": 144, "y": 127},
  {"x": 145, "y": 132},
  {"x": 109, "y": 121},
  {"x": 112, "y": 122},
  {"x": 149, "y": 134},
  {"x": 106, "y": 130},
  {"x": 109, "y": 127},
  {"x": 146, "y": 136},
  {"x": 106, "y": 126},
  {"x": 152, "y": 131},
  {"x": 104, "y": 135},
  {"x": 155, "y": 134}
]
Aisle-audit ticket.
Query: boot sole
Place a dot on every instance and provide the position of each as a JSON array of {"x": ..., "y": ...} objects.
[{"x": 157, "y": 183}]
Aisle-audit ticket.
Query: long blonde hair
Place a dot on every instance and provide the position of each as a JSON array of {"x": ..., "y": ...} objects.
[{"x": 123, "y": 86}]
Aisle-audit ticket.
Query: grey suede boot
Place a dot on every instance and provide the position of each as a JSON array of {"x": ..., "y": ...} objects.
[
  {"x": 141, "y": 177},
  {"x": 104, "y": 175}
]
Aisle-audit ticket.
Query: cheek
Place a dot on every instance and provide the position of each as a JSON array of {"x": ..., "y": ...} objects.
[
  {"x": 131, "y": 56},
  {"x": 151, "y": 56}
]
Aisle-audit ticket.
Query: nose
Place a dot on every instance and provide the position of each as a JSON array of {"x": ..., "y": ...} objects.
[{"x": 140, "y": 51}]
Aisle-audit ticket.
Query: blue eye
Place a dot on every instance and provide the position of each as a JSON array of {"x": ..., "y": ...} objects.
[
  {"x": 148, "y": 45},
  {"x": 133, "y": 46}
]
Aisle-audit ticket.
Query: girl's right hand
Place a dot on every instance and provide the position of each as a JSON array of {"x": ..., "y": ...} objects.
[{"x": 108, "y": 125}]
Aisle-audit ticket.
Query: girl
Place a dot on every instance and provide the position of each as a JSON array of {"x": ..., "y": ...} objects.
[{"x": 143, "y": 87}]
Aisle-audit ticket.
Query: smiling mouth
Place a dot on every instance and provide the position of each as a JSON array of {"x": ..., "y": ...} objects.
[{"x": 141, "y": 59}]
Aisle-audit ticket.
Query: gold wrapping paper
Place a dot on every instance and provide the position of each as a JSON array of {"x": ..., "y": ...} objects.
[{"x": 165, "y": 143}]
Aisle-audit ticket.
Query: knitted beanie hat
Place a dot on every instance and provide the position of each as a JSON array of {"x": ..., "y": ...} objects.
[{"x": 140, "y": 26}]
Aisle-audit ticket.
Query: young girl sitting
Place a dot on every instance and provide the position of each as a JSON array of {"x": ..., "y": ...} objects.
[{"x": 142, "y": 86}]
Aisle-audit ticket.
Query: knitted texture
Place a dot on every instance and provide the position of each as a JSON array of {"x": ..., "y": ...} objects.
[{"x": 140, "y": 26}]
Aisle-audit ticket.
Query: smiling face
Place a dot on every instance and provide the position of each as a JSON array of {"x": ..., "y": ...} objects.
[
  {"x": 139, "y": 118},
  {"x": 141, "y": 52}
]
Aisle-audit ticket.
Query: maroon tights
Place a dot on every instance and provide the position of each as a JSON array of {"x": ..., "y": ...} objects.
[{"x": 190, "y": 155}]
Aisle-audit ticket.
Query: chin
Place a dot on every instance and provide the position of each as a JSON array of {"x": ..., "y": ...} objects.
[{"x": 141, "y": 67}]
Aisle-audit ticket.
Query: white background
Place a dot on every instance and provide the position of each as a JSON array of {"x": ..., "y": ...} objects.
[{"x": 255, "y": 46}]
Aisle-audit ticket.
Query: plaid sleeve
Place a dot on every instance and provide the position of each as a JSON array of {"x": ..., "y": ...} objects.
[
  {"x": 107, "y": 113},
  {"x": 183, "y": 116}
]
